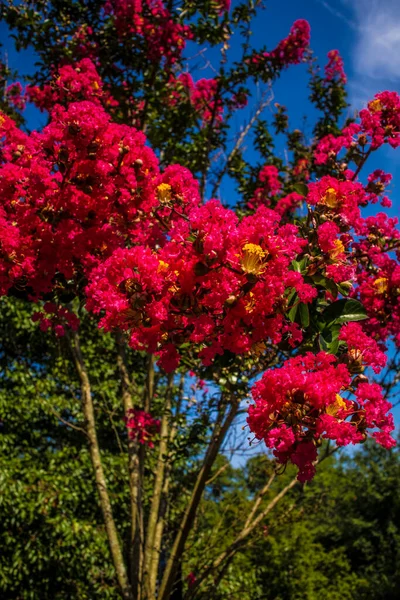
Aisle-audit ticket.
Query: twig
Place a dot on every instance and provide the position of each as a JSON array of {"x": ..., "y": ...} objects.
[{"x": 263, "y": 104}]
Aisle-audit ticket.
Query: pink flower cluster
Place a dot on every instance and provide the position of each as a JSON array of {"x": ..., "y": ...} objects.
[
  {"x": 73, "y": 83},
  {"x": 300, "y": 403},
  {"x": 300, "y": 169},
  {"x": 216, "y": 282},
  {"x": 56, "y": 318},
  {"x": 287, "y": 205},
  {"x": 291, "y": 50},
  {"x": 142, "y": 427},
  {"x": 77, "y": 191},
  {"x": 362, "y": 349},
  {"x": 379, "y": 124},
  {"x": 340, "y": 198},
  {"x": 379, "y": 291},
  {"x": 15, "y": 96},
  {"x": 334, "y": 69},
  {"x": 202, "y": 95},
  {"x": 269, "y": 185},
  {"x": 381, "y": 120},
  {"x": 269, "y": 188},
  {"x": 83, "y": 45},
  {"x": 165, "y": 39}
]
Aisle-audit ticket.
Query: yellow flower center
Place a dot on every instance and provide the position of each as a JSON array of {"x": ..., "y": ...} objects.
[
  {"x": 330, "y": 198},
  {"x": 334, "y": 408},
  {"x": 162, "y": 266},
  {"x": 164, "y": 193},
  {"x": 381, "y": 285},
  {"x": 252, "y": 259},
  {"x": 375, "y": 105},
  {"x": 336, "y": 250}
]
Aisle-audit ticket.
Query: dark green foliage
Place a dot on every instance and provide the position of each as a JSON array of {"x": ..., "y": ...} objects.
[
  {"x": 53, "y": 543},
  {"x": 336, "y": 538}
]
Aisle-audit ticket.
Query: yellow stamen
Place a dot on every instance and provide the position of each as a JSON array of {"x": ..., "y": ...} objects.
[
  {"x": 381, "y": 285},
  {"x": 250, "y": 304},
  {"x": 162, "y": 266},
  {"x": 375, "y": 105},
  {"x": 330, "y": 198},
  {"x": 252, "y": 259},
  {"x": 334, "y": 408},
  {"x": 164, "y": 193},
  {"x": 336, "y": 250}
]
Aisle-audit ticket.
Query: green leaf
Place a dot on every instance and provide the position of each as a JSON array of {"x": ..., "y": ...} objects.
[
  {"x": 344, "y": 288},
  {"x": 344, "y": 311},
  {"x": 293, "y": 311},
  {"x": 326, "y": 283},
  {"x": 296, "y": 266},
  {"x": 304, "y": 315},
  {"x": 300, "y": 266},
  {"x": 301, "y": 189},
  {"x": 328, "y": 339}
]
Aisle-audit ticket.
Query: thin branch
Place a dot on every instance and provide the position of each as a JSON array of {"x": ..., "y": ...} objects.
[
  {"x": 164, "y": 501},
  {"x": 262, "y": 106},
  {"x": 258, "y": 500},
  {"x": 117, "y": 436},
  {"x": 239, "y": 540},
  {"x": 249, "y": 526},
  {"x": 217, "y": 473},
  {"x": 67, "y": 423},
  {"x": 362, "y": 163}
]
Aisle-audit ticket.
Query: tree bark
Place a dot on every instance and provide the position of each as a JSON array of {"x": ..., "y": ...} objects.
[
  {"x": 149, "y": 581},
  {"x": 220, "y": 429},
  {"x": 136, "y": 532},
  {"x": 88, "y": 412}
]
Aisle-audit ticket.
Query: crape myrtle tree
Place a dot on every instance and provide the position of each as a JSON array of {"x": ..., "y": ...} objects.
[{"x": 110, "y": 217}]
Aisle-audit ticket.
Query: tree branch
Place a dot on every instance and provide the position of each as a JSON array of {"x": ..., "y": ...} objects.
[
  {"x": 136, "y": 532},
  {"x": 228, "y": 553},
  {"x": 259, "y": 499},
  {"x": 362, "y": 163},
  {"x": 219, "y": 432},
  {"x": 149, "y": 582},
  {"x": 164, "y": 504},
  {"x": 67, "y": 423},
  {"x": 250, "y": 525},
  {"x": 88, "y": 411}
]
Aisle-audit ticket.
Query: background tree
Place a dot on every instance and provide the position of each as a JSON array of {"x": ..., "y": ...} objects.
[{"x": 337, "y": 535}]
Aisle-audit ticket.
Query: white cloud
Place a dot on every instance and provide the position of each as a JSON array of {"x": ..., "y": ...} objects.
[{"x": 376, "y": 49}]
